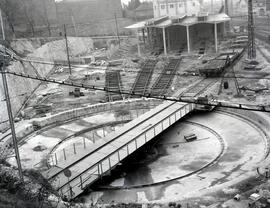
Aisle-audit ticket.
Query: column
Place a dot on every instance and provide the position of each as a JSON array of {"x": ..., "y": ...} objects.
[
  {"x": 164, "y": 41},
  {"x": 188, "y": 39},
  {"x": 169, "y": 43},
  {"x": 216, "y": 38},
  {"x": 138, "y": 43},
  {"x": 148, "y": 36},
  {"x": 143, "y": 32}
]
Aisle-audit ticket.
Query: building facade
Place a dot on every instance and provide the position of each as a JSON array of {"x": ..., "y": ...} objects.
[{"x": 176, "y": 7}]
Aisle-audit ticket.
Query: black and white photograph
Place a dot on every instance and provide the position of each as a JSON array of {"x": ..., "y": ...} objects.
[{"x": 134, "y": 103}]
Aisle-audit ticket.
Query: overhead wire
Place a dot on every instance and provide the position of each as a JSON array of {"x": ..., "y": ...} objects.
[
  {"x": 214, "y": 103},
  {"x": 136, "y": 71}
]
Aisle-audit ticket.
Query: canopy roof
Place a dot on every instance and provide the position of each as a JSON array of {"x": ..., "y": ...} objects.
[{"x": 166, "y": 21}]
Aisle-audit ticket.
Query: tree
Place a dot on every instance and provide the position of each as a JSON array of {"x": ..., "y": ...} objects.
[
  {"x": 133, "y": 4},
  {"x": 45, "y": 17},
  {"x": 29, "y": 9},
  {"x": 10, "y": 8}
]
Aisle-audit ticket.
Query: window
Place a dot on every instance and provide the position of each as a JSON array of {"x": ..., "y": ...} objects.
[
  {"x": 171, "y": 6},
  {"x": 194, "y": 4},
  {"x": 162, "y": 6},
  {"x": 155, "y": 7},
  {"x": 180, "y": 5}
]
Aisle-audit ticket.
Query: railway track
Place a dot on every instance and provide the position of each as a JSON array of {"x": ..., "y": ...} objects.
[
  {"x": 252, "y": 123},
  {"x": 199, "y": 88},
  {"x": 143, "y": 78},
  {"x": 113, "y": 83},
  {"x": 165, "y": 79},
  {"x": 215, "y": 160},
  {"x": 222, "y": 151}
]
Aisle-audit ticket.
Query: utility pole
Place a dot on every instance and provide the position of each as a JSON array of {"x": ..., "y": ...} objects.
[
  {"x": 251, "y": 36},
  {"x": 65, "y": 31},
  {"x": 9, "y": 109},
  {"x": 116, "y": 25}
]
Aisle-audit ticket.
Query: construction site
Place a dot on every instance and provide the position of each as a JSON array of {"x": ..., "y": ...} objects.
[{"x": 168, "y": 111}]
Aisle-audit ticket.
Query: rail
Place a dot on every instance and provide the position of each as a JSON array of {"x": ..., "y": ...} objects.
[
  {"x": 113, "y": 83},
  {"x": 144, "y": 77},
  {"x": 165, "y": 79}
]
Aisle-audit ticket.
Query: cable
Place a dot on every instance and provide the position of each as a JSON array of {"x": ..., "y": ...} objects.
[
  {"x": 5, "y": 121},
  {"x": 40, "y": 61},
  {"x": 215, "y": 103},
  {"x": 134, "y": 71}
]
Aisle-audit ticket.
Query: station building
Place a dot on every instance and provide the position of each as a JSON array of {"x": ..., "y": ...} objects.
[{"x": 182, "y": 25}]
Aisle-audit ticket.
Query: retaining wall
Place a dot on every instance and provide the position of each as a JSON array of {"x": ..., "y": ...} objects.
[{"x": 53, "y": 120}]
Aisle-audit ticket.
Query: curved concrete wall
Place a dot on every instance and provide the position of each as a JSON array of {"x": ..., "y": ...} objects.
[{"x": 81, "y": 112}]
